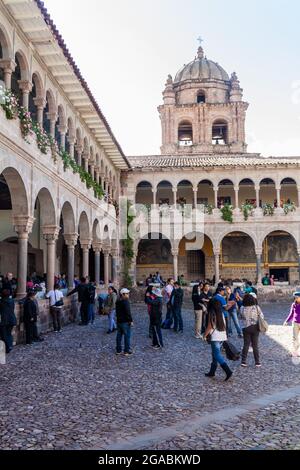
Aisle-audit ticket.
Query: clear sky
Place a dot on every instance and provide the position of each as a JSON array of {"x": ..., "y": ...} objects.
[{"x": 126, "y": 48}]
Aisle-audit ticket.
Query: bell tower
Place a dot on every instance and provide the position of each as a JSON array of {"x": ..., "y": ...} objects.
[{"x": 203, "y": 111}]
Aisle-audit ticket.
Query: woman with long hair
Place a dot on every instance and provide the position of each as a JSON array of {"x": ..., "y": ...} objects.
[
  {"x": 216, "y": 331},
  {"x": 250, "y": 312}
]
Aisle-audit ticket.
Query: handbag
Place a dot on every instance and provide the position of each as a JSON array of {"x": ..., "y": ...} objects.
[
  {"x": 262, "y": 323},
  {"x": 58, "y": 303},
  {"x": 232, "y": 353}
]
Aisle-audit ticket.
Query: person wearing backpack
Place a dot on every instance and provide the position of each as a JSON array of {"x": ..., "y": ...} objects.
[
  {"x": 56, "y": 304},
  {"x": 250, "y": 312},
  {"x": 91, "y": 295},
  {"x": 30, "y": 314},
  {"x": 81, "y": 290},
  {"x": 7, "y": 319},
  {"x": 216, "y": 334}
]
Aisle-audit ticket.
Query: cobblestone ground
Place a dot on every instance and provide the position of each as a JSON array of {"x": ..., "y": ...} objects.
[{"x": 72, "y": 392}]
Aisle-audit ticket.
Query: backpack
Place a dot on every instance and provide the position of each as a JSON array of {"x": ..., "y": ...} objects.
[
  {"x": 232, "y": 353},
  {"x": 91, "y": 290}
]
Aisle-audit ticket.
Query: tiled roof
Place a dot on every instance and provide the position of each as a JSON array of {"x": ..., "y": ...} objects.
[{"x": 190, "y": 161}]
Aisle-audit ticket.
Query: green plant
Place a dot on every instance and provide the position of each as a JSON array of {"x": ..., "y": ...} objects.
[
  {"x": 247, "y": 210},
  {"x": 128, "y": 246},
  {"x": 268, "y": 209},
  {"x": 208, "y": 208},
  {"x": 227, "y": 213},
  {"x": 9, "y": 103},
  {"x": 42, "y": 138},
  {"x": 25, "y": 123},
  {"x": 289, "y": 207}
]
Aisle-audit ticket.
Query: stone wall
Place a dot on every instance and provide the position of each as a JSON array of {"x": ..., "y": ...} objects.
[
  {"x": 240, "y": 272},
  {"x": 69, "y": 314}
]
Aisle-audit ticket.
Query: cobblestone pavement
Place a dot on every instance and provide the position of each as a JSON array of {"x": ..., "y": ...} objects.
[{"x": 72, "y": 392}]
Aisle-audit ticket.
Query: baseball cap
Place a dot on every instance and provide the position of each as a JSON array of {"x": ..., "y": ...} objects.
[
  {"x": 296, "y": 294},
  {"x": 254, "y": 295},
  {"x": 124, "y": 291}
]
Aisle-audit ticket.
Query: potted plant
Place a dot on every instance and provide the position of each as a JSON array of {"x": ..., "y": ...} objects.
[
  {"x": 268, "y": 209},
  {"x": 227, "y": 213},
  {"x": 247, "y": 209}
]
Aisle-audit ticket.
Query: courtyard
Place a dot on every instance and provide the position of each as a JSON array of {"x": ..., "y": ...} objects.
[{"x": 72, "y": 392}]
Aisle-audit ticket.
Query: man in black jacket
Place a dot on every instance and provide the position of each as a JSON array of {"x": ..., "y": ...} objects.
[
  {"x": 176, "y": 302},
  {"x": 83, "y": 299},
  {"x": 124, "y": 322},
  {"x": 155, "y": 316},
  {"x": 30, "y": 314}
]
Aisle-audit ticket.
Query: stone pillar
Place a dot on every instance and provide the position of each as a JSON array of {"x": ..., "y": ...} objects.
[
  {"x": 86, "y": 162},
  {"x": 71, "y": 242},
  {"x": 23, "y": 227},
  {"x": 97, "y": 249},
  {"x": 40, "y": 104},
  {"x": 216, "y": 188},
  {"x": 106, "y": 252},
  {"x": 114, "y": 254},
  {"x": 62, "y": 131},
  {"x": 195, "y": 196},
  {"x": 71, "y": 147},
  {"x": 85, "y": 245},
  {"x": 175, "y": 197},
  {"x": 52, "y": 118},
  {"x": 278, "y": 197},
  {"x": 50, "y": 234},
  {"x": 97, "y": 176},
  {"x": 79, "y": 150},
  {"x": 175, "y": 264},
  {"x": 154, "y": 196},
  {"x": 8, "y": 66},
  {"x": 92, "y": 171},
  {"x": 257, "y": 188},
  {"x": 236, "y": 194},
  {"x": 258, "y": 268},
  {"x": 26, "y": 87},
  {"x": 217, "y": 267}
]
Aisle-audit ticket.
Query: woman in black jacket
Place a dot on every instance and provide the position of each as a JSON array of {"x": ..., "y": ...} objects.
[
  {"x": 155, "y": 302},
  {"x": 30, "y": 314},
  {"x": 198, "y": 308},
  {"x": 7, "y": 319}
]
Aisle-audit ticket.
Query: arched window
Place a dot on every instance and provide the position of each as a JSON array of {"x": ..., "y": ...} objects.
[
  {"x": 185, "y": 134},
  {"x": 201, "y": 97},
  {"x": 220, "y": 133}
]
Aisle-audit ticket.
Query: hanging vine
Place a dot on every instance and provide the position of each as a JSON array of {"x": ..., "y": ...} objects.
[{"x": 128, "y": 247}]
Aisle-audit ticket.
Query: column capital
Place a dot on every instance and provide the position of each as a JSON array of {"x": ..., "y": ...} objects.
[
  {"x": 8, "y": 65},
  {"x": 236, "y": 188},
  {"x": 258, "y": 253},
  {"x": 106, "y": 251},
  {"x": 216, "y": 253},
  {"x": 23, "y": 224},
  {"x": 52, "y": 117},
  {"x": 97, "y": 246},
  {"x": 174, "y": 252},
  {"x": 25, "y": 85},
  {"x": 71, "y": 239},
  {"x": 50, "y": 232},
  {"x": 79, "y": 148},
  {"x": 114, "y": 252},
  {"x": 195, "y": 189},
  {"x": 40, "y": 102},
  {"x": 85, "y": 244},
  {"x": 62, "y": 129}
]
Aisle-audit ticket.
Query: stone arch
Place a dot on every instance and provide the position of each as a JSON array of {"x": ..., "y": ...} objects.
[
  {"x": 185, "y": 132},
  {"x": 106, "y": 235},
  {"x": 51, "y": 102},
  {"x": 23, "y": 62},
  {"x": 61, "y": 115},
  {"x": 97, "y": 159},
  {"x": 70, "y": 128},
  {"x": 220, "y": 236},
  {"x": 280, "y": 227},
  {"x": 78, "y": 136},
  {"x": 5, "y": 43},
  {"x": 68, "y": 216},
  {"x": 220, "y": 131},
  {"x": 84, "y": 226},
  {"x": 38, "y": 83},
  {"x": 96, "y": 230},
  {"x": 18, "y": 193},
  {"x": 47, "y": 205}
]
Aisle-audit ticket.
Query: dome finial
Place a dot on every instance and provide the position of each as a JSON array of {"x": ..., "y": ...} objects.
[{"x": 200, "y": 49}]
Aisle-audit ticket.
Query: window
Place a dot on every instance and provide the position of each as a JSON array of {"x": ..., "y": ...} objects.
[
  {"x": 185, "y": 134},
  {"x": 201, "y": 97},
  {"x": 220, "y": 133}
]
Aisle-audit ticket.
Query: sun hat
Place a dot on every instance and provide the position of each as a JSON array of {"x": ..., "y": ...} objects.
[{"x": 124, "y": 291}]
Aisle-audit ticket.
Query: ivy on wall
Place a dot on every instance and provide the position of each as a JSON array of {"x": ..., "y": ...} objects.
[{"x": 128, "y": 247}]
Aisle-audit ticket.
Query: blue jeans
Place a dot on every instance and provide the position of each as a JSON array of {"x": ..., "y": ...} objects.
[
  {"x": 156, "y": 336},
  {"x": 178, "y": 323},
  {"x": 91, "y": 313},
  {"x": 124, "y": 329},
  {"x": 111, "y": 320},
  {"x": 217, "y": 357},
  {"x": 232, "y": 316},
  {"x": 169, "y": 317}
]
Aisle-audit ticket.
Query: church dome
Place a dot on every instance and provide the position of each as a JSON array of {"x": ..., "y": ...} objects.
[{"x": 201, "y": 69}]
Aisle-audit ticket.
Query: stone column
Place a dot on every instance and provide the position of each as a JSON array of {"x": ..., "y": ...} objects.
[
  {"x": 52, "y": 118},
  {"x": 86, "y": 162},
  {"x": 71, "y": 147},
  {"x": 22, "y": 226},
  {"x": 154, "y": 196},
  {"x": 62, "y": 131},
  {"x": 217, "y": 267},
  {"x": 92, "y": 171},
  {"x": 8, "y": 66},
  {"x": 85, "y": 245},
  {"x": 278, "y": 198},
  {"x": 236, "y": 194},
  {"x": 195, "y": 197},
  {"x": 216, "y": 189},
  {"x": 175, "y": 264},
  {"x": 106, "y": 252},
  {"x": 114, "y": 254},
  {"x": 97, "y": 249},
  {"x": 175, "y": 197},
  {"x": 50, "y": 234},
  {"x": 71, "y": 242},
  {"x": 97, "y": 176},
  {"x": 40, "y": 104},
  {"x": 26, "y": 87},
  {"x": 257, "y": 188},
  {"x": 258, "y": 268},
  {"x": 79, "y": 149}
]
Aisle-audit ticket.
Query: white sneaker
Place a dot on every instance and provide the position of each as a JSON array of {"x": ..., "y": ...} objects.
[{"x": 198, "y": 336}]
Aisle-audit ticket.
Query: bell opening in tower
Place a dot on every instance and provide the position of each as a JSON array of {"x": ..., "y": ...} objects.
[
  {"x": 185, "y": 134},
  {"x": 220, "y": 133}
]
